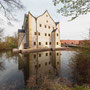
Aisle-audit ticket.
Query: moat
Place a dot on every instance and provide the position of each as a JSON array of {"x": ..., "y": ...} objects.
[{"x": 18, "y": 70}]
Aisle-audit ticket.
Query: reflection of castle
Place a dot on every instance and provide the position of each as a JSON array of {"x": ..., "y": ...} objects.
[{"x": 40, "y": 64}]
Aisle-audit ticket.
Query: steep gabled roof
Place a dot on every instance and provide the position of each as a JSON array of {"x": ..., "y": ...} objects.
[{"x": 42, "y": 15}]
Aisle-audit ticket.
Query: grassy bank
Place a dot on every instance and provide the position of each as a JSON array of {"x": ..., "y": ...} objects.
[{"x": 50, "y": 85}]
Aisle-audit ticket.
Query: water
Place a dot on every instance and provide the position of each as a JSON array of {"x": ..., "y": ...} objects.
[{"x": 20, "y": 70}]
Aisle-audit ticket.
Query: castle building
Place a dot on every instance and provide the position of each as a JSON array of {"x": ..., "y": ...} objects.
[{"x": 40, "y": 32}]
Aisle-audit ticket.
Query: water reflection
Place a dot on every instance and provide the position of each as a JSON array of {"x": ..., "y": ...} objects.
[
  {"x": 40, "y": 65},
  {"x": 10, "y": 77},
  {"x": 7, "y": 55},
  {"x": 18, "y": 71},
  {"x": 80, "y": 65}
]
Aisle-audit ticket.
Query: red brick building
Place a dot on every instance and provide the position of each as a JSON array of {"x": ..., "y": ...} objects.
[{"x": 76, "y": 42}]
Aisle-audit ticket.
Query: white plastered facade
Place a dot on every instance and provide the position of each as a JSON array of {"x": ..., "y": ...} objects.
[{"x": 41, "y": 32}]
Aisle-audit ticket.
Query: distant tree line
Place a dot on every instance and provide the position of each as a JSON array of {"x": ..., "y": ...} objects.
[{"x": 9, "y": 42}]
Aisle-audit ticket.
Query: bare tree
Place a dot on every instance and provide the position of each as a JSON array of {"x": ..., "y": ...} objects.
[
  {"x": 9, "y": 7},
  {"x": 1, "y": 33}
]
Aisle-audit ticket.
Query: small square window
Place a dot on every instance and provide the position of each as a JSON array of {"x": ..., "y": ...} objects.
[
  {"x": 48, "y": 34},
  {"x": 40, "y": 25},
  {"x": 46, "y": 54},
  {"x": 53, "y": 28},
  {"x": 35, "y": 66},
  {"x": 49, "y": 43},
  {"x": 34, "y": 55},
  {"x": 45, "y": 63},
  {"x": 57, "y": 43},
  {"x": 47, "y": 21},
  {"x": 45, "y": 26},
  {"x": 39, "y": 55},
  {"x": 38, "y": 33},
  {"x": 34, "y": 43},
  {"x": 35, "y": 33},
  {"x": 57, "y": 54},
  {"x": 45, "y": 34},
  {"x": 49, "y": 27},
  {"x": 39, "y": 43},
  {"x": 39, "y": 65},
  {"x": 46, "y": 43},
  {"x": 50, "y": 53},
  {"x": 57, "y": 62},
  {"x": 49, "y": 62}
]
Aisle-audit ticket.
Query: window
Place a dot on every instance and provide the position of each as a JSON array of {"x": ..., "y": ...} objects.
[
  {"x": 49, "y": 27},
  {"x": 34, "y": 43},
  {"x": 40, "y": 25},
  {"x": 35, "y": 33},
  {"x": 48, "y": 34},
  {"x": 47, "y": 21},
  {"x": 49, "y": 71},
  {"x": 49, "y": 62},
  {"x": 45, "y": 63},
  {"x": 50, "y": 53},
  {"x": 38, "y": 33},
  {"x": 57, "y": 62},
  {"x": 45, "y": 34},
  {"x": 45, "y": 26},
  {"x": 46, "y": 43},
  {"x": 57, "y": 34},
  {"x": 34, "y": 55},
  {"x": 57, "y": 54},
  {"x": 39, "y": 55},
  {"x": 49, "y": 43},
  {"x": 35, "y": 66},
  {"x": 39, "y": 43},
  {"x": 46, "y": 15},
  {"x": 46, "y": 54},
  {"x": 53, "y": 28},
  {"x": 39, "y": 65},
  {"x": 57, "y": 43}
]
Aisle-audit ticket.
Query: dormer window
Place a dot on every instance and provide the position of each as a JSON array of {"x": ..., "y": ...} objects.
[{"x": 46, "y": 15}]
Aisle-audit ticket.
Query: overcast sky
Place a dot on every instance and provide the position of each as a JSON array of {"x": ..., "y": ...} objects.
[{"x": 72, "y": 30}]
